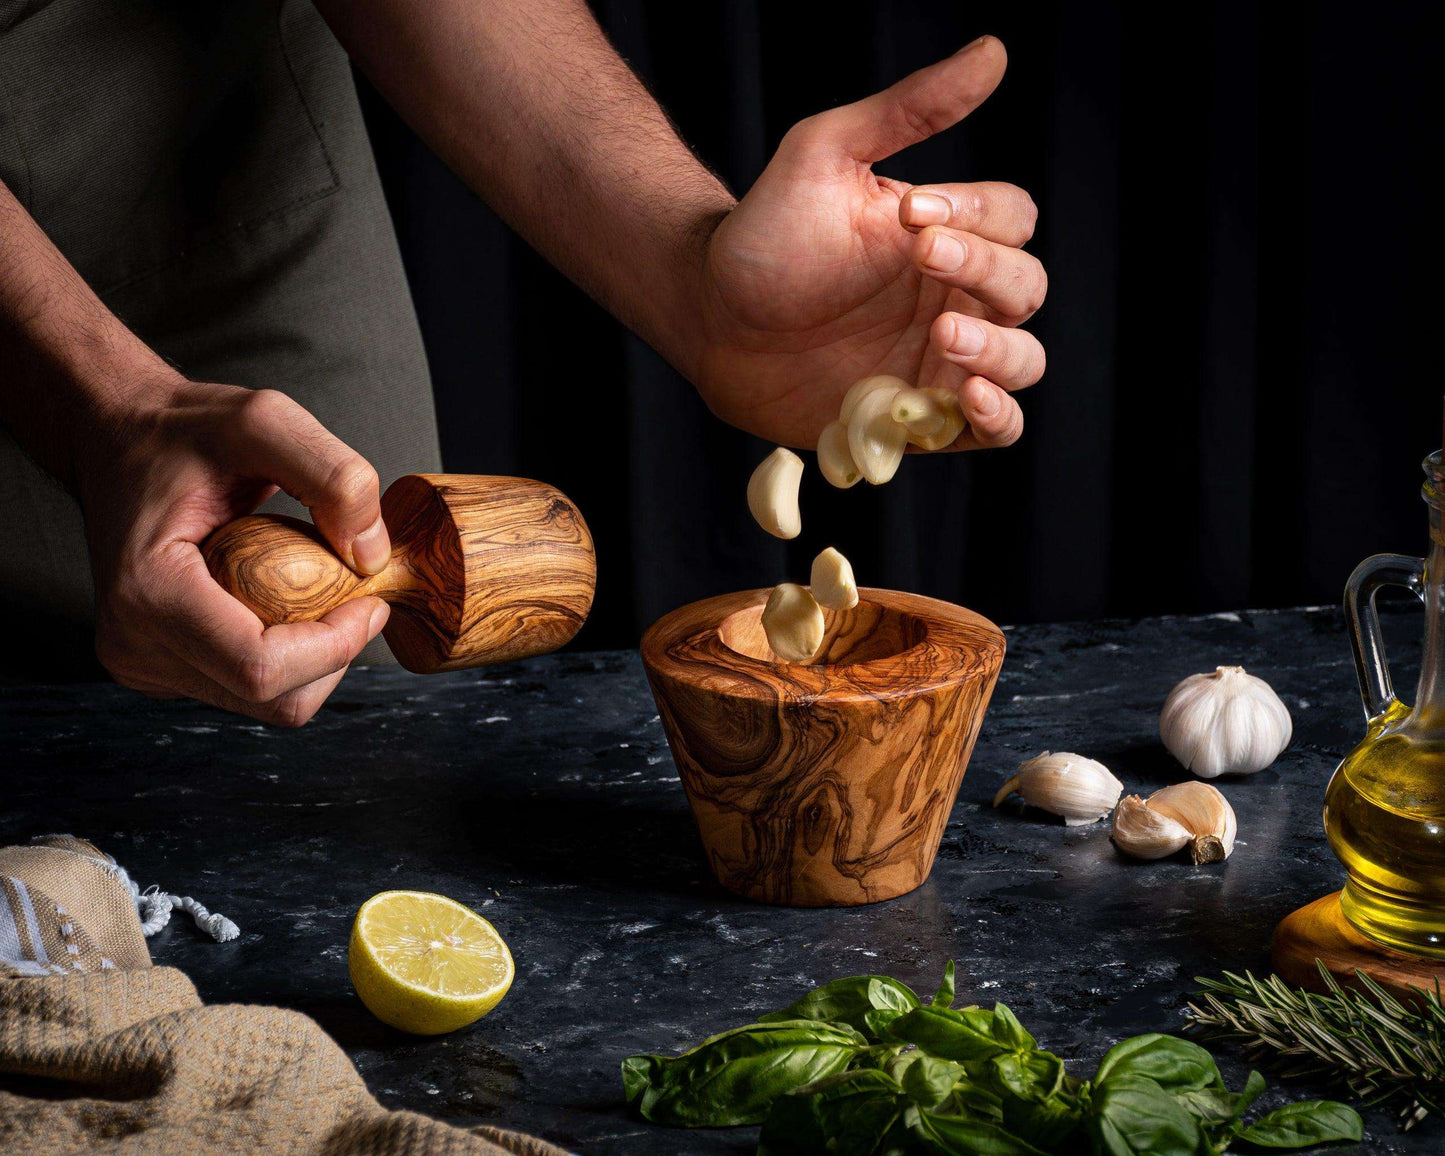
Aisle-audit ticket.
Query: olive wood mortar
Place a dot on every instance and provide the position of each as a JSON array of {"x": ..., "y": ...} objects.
[
  {"x": 482, "y": 570},
  {"x": 829, "y": 783}
]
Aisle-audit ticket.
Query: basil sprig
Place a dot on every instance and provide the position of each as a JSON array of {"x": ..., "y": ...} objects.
[{"x": 862, "y": 1067}]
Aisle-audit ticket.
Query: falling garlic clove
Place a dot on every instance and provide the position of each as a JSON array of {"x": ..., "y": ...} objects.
[
  {"x": 773, "y": 493},
  {"x": 875, "y": 440},
  {"x": 832, "y": 581},
  {"x": 793, "y": 622},
  {"x": 953, "y": 422},
  {"x": 1228, "y": 722},
  {"x": 1205, "y": 812},
  {"x": 1145, "y": 833},
  {"x": 862, "y": 388},
  {"x": 835, "y": 459},
  {"x": 1081, "y": 790}
]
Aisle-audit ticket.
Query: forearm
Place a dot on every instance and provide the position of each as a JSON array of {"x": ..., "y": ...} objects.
[
  {"x": 70, "y": 365},
  {"x": 528, "y": 102}
]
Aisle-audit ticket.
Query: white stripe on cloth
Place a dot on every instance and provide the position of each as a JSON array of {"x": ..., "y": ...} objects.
[
  {"x": 28, "y": 910},
  {"x": 9, "y": 934}
]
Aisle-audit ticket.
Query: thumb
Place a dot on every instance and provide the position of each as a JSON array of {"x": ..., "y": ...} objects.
[
  {"x": 918, "y": 106},
  {"x": 279, "y": 440}
]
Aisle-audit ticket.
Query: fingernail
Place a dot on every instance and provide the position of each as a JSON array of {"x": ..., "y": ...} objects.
[
  {"x": 377, "y": 621},
  {"x": 983, "y": 399},
  {"x": 972, "y": 44},
  {"x": 945, "y": 253},
  {"x": 968, "y": 337},
  {"x": 928, "y": 209},
  {"x": 371, "y": 548}
]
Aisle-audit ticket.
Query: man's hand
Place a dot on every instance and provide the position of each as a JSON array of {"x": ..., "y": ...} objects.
[
  {"x": 826, "y": 273},
  {"x": 191, "y": 459}
]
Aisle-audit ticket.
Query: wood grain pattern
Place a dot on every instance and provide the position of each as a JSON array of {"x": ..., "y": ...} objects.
[
  {"x": 1319, "y": 930},
  {"x": 830, "y": 783},
  {"x": 482, "y": 570}
]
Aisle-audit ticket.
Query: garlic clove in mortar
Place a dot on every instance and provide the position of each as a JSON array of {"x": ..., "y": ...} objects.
[
  {"x": 832, "y": 581},
  {"x": 773, "y": 493},
  {"x": 1145, "y": 833},
  {"x": 1079, "y": 789},
  {"x": 1228, "y": 722},
  {"x": 835, "y": 460},
  {"x": 1193, "y": 815},
  {"x": 793, "y": 622},
  {"x": 875, "y": 440}
]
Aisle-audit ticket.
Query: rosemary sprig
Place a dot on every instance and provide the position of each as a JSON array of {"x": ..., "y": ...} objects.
[{"x": 1378, "y": 1047}]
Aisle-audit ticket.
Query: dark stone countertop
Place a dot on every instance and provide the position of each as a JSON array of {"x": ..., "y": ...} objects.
[{"x": 542, "y": 794}]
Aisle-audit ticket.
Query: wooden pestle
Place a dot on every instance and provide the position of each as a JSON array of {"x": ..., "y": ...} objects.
[{"x": 482, "y": 570}]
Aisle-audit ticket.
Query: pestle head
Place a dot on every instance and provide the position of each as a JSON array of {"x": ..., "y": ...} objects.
[{"x": 483, "y": 570}]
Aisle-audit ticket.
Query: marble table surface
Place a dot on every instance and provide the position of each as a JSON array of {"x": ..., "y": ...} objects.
[{"x": 543, "y": 795}]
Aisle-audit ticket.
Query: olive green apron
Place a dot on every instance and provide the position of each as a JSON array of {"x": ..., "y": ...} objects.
[{"x": 206, "y": 169}]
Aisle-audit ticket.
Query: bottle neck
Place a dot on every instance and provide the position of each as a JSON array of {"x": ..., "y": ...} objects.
[{"x": 1429, "y": 712}]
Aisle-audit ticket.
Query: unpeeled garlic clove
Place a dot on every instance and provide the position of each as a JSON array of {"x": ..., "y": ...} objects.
[
  {"x": 835, "y": 459},
  {"x": 832, "y": 581},
  {"x": 862, "y": 388},
  {"x": 953, "y": 422},
  {"x": 1079, "y": 789},
  {"x": 773, "y": 493},
  {"x": 875, "y": 440},
  {"x": 1228, "y": 722},
  {"x": 1145, "y": 833},
  {"x": 793, "y": 622},
  {"x": 1205, "y": 812}
]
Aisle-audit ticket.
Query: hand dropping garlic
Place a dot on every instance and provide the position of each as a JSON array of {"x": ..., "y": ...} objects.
[
  {"x": 1228, "y": 722},
  {"x": 773, "y": 493},
  {"x": 875, "y": 441},
  {"x": 793, "y": 622},
  {"x": 835, "y": 460},
  {"x": 1081, "y": 790},
  {"x": 832, "y": 581},
  {"x": 1193, "y": 815}
]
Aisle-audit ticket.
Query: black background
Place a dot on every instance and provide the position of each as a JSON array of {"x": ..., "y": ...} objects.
[{"x": 1241, "y": 240}]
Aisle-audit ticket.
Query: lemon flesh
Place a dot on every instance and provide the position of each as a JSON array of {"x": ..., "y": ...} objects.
[{"x": 425, "y": 964}]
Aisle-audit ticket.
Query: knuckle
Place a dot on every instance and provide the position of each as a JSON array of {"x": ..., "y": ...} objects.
[
  {"x": 258, "y": 677},
  {"x": 262, "y": 408},
  {"x": 353, "y": 481}
]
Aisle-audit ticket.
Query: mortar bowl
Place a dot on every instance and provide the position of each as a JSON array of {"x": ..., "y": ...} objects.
[{"x": 825, "y": 784}]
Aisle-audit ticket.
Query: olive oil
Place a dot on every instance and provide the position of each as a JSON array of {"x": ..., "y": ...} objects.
[{"x": 1385, "y": 817}]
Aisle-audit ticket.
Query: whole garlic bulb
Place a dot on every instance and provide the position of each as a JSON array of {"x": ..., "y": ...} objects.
[
  {"x": 1079, "y": 789},
  {"x": 1224, "y": 723}
]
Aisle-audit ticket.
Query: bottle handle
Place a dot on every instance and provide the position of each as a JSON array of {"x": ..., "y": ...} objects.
[{"x": 1363, "y": 619}]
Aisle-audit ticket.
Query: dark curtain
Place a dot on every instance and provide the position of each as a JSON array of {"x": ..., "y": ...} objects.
[{"x": 1241, "y": 240}]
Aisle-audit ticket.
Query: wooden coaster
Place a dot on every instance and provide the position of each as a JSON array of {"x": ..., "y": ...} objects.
[{"x": 1320, "y": 931}]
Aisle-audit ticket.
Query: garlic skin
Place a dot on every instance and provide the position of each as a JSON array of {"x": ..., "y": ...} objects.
[
  {"x": 1081, "y": 790},
  {"x": 773, "y": 493},
  {"x": 1208, "y": 815},
  {"x": 832, "y": 582},
  {"x": 793, "y": 622},
  {"x": 1145, "y": 833},
  {"x": 1225, "y": 723}
]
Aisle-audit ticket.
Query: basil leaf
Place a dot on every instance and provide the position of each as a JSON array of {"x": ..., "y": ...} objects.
[
  {"x": 1174, "y": 1064},
  {"x": 1214, "y": 1106},
  {"x": 1304, "y": 1124},
  {"x": 734, "y": 1077},
  {"x": 1032, "y": 1076},
  {"x": 849, "y": 1113},
  {"x": 929, "y": 1081},
  {"x": 948, "y": 1033},
  {"x": 960, "y": 1136},
  {"x": 976, "y": 1102},
  {"x": 850, "y": 1001},
  {"x": 943, "y": 997},
  {"x": 1009, "y": 1032},
  {"x": 1045, "y": 1124},
  {"x": 1133, "y": 1115}
]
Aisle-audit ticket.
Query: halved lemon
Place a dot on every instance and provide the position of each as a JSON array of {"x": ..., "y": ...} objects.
[{"x": 426, "y": 964}]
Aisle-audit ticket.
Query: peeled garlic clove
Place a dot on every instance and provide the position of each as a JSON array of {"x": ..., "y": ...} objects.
[
  {"x": 862, "y": 388},
  {"x": 919, "y": 411},
  {"x": 1079, "y": 789},
  {"x": 773, "y": 493},
  {"x": 835, "y": 459},
  {"x": 832, "y": 581},
  {"x": 793, "y": 622},
  {"x": 1228, "y": 722},
  {"x": 1145, "y": 833},
  {"x": 953, "y": 423},
  {"x": 1205, "y": 812},
  {"x": 875, "y": 440}
]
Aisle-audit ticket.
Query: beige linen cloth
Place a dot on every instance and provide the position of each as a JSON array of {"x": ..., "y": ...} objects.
[{"x": 101, "y": 1052}]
